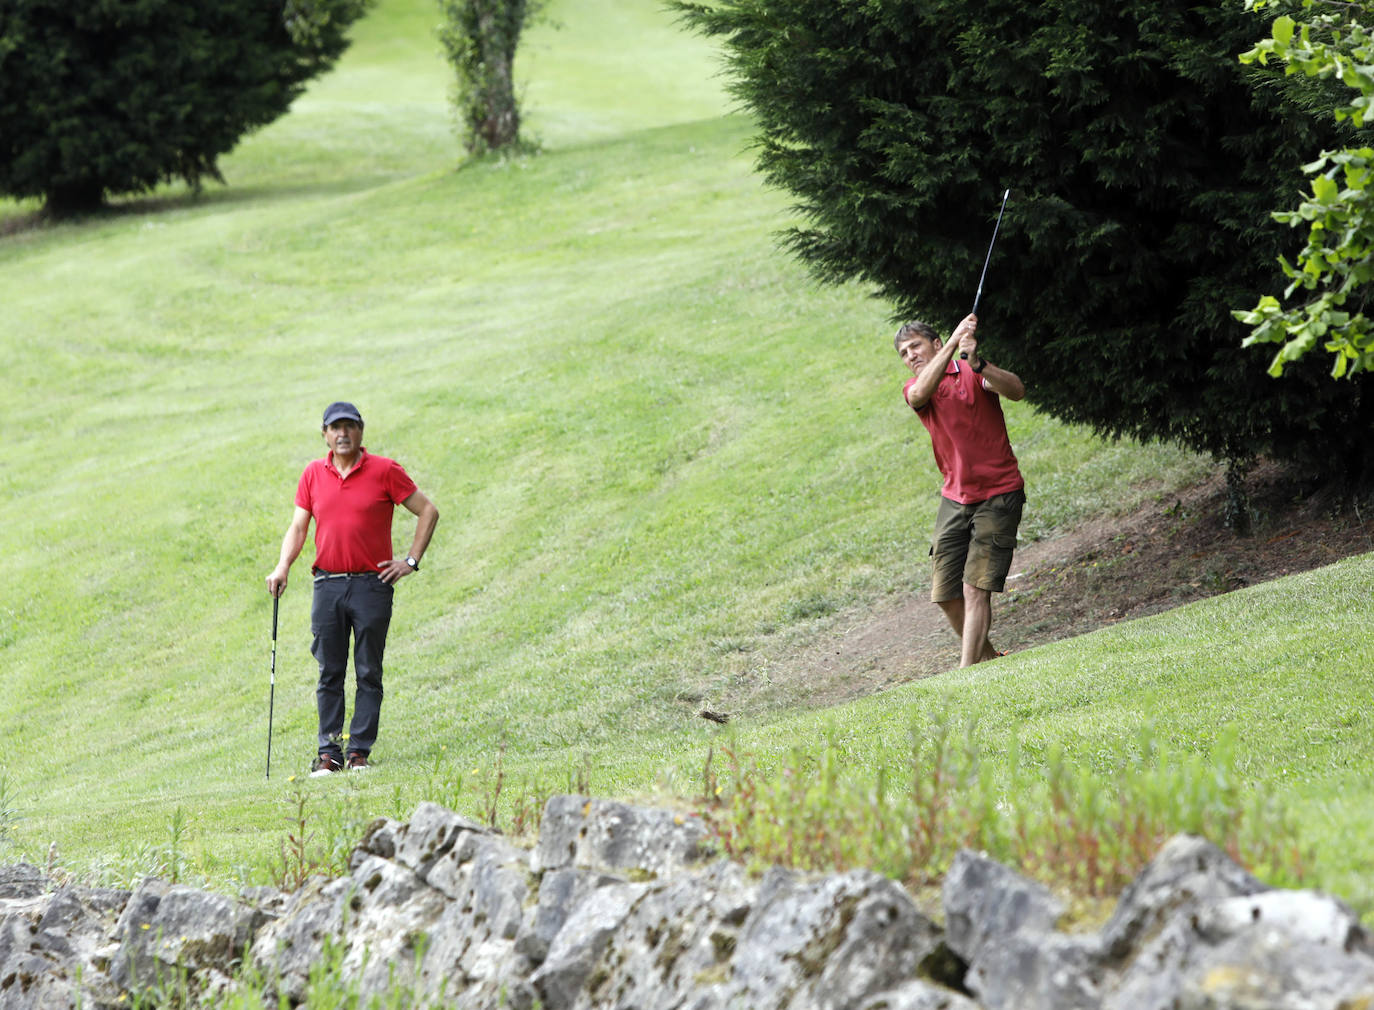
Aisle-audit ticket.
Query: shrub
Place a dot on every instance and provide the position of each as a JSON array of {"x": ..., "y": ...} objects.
[{"x": 100, "y": 98}]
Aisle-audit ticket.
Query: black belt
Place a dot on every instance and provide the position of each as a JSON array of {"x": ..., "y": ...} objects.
[{"x": 321, "y": 575}]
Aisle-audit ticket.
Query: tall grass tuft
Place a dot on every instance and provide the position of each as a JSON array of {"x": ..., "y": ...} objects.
[{"x": 1061, "y": 822}]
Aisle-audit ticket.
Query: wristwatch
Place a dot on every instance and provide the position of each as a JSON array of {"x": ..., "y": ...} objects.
[
  {"x": 982, "y": 364},
  {"x": 414, "y": 565}
]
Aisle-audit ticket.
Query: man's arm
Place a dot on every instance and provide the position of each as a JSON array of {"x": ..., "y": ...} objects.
[
  {"x": 997, "y": 380},
  {"x": 291, "y": 545},
  {"x": 427, "y": 517},
  {"x": 920, "y": 391},
  {"x": 1002, "y": 382}
]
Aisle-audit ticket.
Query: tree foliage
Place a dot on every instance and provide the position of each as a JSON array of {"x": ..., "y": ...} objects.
[
  {"x": 1335, "y": 269},
  {"x": 105, "y": 97},
  {"x": 1143, "y": 160},
  {"x": 480, "y": 38}
]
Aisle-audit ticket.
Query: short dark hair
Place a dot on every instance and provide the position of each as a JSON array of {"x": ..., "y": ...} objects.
[{"x": 915, "y": 328}]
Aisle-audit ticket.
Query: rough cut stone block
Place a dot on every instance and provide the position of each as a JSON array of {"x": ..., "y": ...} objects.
[
  {"x": 21, "y": 880},
  {"x": 577, "y": 948},
  {"x": 1187, "y": 872},
  {"x": 432, "y": 831},
  {"x": 1270, "y": 969},
  {"x": 168, "y": 928},
  {"x": 560, "y": 892},
  {"x": 471, "y": 948},
  {"x": 287, "y": 947},
  {"x": 389, "y": 911},
  {"x": 829, "y": 943},
  {"x": 985, "y": 902},
  {"x": 1276, "y": 950},
  {"x": 615, "y": 838},
  {"x": 675, "y": 945},
  {"x": 1029, "y": 970}
]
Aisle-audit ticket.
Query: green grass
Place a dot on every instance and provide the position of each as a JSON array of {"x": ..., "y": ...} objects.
[{"x": 664, "y": 458}]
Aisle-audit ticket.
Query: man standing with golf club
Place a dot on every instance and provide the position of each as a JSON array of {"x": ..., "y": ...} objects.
[
  {"x": 955, "y": 393},
  {"x": 351, "y": 494}
]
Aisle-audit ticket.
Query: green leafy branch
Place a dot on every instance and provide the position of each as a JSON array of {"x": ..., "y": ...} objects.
[{"x": 1337, "y": 264}]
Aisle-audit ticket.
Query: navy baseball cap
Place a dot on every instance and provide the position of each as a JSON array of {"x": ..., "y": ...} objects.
[{"x": 339, "y": 411}]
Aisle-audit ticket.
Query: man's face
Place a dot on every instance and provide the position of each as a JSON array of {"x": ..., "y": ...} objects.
[
  {"x": 344, "y": 437},
  {"x": 917, "y": 351}
]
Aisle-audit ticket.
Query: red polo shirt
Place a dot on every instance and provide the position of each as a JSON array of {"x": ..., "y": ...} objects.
[
  {"x": 969, "y": 436},
  {"x": 353, "y": 514}
]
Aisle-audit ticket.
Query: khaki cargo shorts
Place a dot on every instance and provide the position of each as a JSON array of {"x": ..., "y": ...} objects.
[{"x": 973, "y": 544}]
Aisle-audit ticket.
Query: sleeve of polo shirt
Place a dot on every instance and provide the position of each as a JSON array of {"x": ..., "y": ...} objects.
[
  {"x": 304, "y": 496},
  {"x": 399, "y": 484}
]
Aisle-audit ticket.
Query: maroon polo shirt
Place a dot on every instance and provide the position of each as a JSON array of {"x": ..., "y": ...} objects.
[{"x": 969, "y": 436}]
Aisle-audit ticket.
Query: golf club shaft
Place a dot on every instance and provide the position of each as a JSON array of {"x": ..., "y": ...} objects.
[
  {"x": 988, "y": 258},
  {"x": 272, "y": 682}
]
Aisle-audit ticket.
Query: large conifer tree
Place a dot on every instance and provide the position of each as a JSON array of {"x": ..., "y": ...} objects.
[
  {"x": 1143, "y": 160},
  {"x": 101, "y": 97}
]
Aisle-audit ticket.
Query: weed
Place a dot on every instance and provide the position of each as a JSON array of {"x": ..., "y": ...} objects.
[
  {"x": 443, "y": 785},
  {"x": 176, "y": 829},
  {"x": 580, "y": 778},
  {"x": 9, "y": 811},
  {"x": 299, "y": 862},
  {"x": 491, "y": 796},
  {"x": 1059, "y": 821},
  {"x": 342, "y": 823}
]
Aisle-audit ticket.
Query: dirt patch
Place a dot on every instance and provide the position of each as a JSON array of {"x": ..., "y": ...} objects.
[{"x": 1106, "y": 570}]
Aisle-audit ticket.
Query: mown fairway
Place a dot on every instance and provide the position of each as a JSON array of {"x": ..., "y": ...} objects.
[{"x": 663, "y": 456}]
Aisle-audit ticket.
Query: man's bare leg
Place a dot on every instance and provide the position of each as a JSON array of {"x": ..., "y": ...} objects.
[
  {"x": 954, "y": 613},
  {"x": 971, "y": 619}
]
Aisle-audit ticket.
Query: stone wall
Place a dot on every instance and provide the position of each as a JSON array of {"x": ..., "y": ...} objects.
[{"x": 624, "y": 907}]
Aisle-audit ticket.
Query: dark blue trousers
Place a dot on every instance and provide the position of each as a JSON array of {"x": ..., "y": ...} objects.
[{"x": 345, "y": 607}]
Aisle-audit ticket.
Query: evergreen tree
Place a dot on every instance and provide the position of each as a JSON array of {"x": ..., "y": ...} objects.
[
  {"x": 105, "y": 97},
  {"x": 1143, "y": 161}
]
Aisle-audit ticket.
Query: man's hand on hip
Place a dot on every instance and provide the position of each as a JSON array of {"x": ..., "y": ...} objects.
[{"x": 394, "y": 570}]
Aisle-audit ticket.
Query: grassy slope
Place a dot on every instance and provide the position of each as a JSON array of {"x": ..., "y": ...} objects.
[{"x": 656, "y": 445}]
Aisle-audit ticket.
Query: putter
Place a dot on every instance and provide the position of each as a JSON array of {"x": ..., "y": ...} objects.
[
  {"x": 272, "y": 689},
  {"x": 983, "y": 277}
]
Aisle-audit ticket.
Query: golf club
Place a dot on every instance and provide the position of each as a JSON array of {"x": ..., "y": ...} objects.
[
  {"x": 974, "y": 310},
  {"x": 272, "y": 689}
]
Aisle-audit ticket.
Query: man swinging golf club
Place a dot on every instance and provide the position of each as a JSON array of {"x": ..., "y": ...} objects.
[
  {"x": 955, "y": 393},
  {"x": 351, "y": 494}
]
